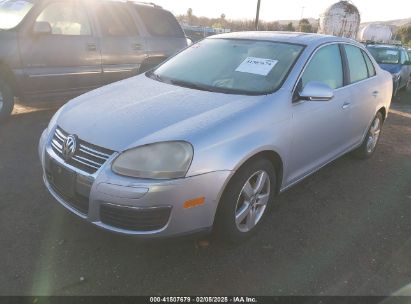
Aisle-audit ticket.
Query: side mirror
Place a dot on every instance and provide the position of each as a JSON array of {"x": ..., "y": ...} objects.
[
  {"x": 316, "y": 91},
  {"x": 407, "y": 62},
  {"x": 189, "y": 41},
  {"x": 42, "y": 28}
]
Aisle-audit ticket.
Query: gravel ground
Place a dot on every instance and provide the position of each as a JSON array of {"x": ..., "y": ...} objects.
[{"x": 345, "y": 230}]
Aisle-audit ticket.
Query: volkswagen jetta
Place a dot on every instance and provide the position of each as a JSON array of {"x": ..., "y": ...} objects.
[{"x": 208, "y": 138}]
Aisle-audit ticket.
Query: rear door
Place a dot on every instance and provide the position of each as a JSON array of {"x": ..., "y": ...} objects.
[
  {"x": 320, "y": 127},
  {"x": 65, "y": 62},
  {"x": 122, "y": 47},
  {"x": 164, "y": 34},
  {"x": 364, "y": 89}
]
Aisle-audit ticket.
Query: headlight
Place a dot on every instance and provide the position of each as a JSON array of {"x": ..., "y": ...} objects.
[{"x": 164, "y": 160}]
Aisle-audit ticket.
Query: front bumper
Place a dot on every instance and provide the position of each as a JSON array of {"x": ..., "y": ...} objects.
[{"x": 147, "y": 208}]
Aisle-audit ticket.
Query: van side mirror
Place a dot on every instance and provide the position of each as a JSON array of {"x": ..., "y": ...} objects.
[
  {"x": 189, "y": 41},
  {"x": 42, "y": 28},
  {"x": 316, "y": 91}
]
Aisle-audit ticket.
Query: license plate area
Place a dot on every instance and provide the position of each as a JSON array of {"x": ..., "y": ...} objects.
[{"x": 63, "y": 180}]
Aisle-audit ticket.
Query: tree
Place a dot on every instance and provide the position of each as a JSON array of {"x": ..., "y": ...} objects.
[
  {"x": 190, "y": 15},
  {"x": 404, "y": 34},
  {"x": 289, "y": 27},
  {"x": 305, "y": 26}
]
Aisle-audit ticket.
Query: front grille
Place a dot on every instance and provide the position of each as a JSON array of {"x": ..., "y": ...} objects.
[
  {"x": 88, "y": 157},
  {"x": 141, "y": 219},
  {"x": 78, "y": 201}
]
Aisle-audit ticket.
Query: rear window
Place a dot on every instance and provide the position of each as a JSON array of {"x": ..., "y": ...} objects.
[
  {"x": 115, "y": 20},
  {"x": 159, "y": 22},
  {"x": 370, "y": 65}
]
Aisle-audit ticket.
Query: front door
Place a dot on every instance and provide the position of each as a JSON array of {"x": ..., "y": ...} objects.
[
  {"x": 66, "y": 61},
  {"x": 319, "y": 128}
]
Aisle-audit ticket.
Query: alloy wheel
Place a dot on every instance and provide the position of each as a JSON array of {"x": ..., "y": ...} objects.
[
  {"x": 252, "y": 201},
  {"x": 374, "y": 135}
]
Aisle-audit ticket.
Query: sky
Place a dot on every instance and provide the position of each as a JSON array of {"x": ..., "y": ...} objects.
[{"x": 271, "y": 10}]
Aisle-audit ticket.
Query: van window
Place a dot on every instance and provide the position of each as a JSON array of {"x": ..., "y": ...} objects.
[
  {"x": 356, "y": 63},
  {"x": 66, "y": 19},
  {"x": 326, "y": 67},
  {"x": 115, "y": 20},
  {"x": 159, "y": 22}
]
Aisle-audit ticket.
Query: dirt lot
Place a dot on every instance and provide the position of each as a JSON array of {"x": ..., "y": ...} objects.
[{"x": 346, "y": 230}]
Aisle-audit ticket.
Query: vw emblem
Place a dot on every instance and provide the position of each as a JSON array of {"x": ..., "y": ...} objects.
[{"x": 69, "y": 147}]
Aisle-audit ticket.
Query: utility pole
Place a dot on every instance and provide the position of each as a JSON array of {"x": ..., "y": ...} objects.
[{"x": 257, "y": 17}]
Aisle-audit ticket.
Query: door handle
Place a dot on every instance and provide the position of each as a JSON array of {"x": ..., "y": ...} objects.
[
  {"x": 375, "y": 93},
  {"x": 91, "y": 46},
  {"x": 346, "y": 105},
  {"x": 137, "y": 46}
]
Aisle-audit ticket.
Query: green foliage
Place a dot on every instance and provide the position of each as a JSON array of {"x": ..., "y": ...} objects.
[
  {"x": 404, "y": 34},
  {"x": 305, "y": 26}
]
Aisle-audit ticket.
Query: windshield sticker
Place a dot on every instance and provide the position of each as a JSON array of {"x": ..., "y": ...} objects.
[{"x": 258, "y": 66}]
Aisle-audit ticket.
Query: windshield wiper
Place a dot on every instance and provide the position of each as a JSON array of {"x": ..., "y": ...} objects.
[{"x": 192, "y": 85}]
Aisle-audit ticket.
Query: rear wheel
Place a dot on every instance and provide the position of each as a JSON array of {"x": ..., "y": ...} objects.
[
  {"x": 371, "y": 140},
  {"x": 6, "y": 100},
  {"x": 246, "y": 200},
  {"x": 405, "y": 88}
]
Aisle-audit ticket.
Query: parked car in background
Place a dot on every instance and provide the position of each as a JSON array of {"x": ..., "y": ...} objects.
[
  {"x": 60, "y": 49},
  {"x": 209, "y": 137},
  {"x": 395, "y": 60}
]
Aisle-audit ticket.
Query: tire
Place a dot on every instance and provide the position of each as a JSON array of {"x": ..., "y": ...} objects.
[
  {"x": 6, "y": 100},
  {"x": 235, "y": 203},
  {"x": 405, "y": 88},
  {"x": 372, "y": 138}
]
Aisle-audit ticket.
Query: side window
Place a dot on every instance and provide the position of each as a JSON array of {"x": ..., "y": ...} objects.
[
  {"x": 159, "y": 22},
  {"x": 404, "y": 57},
  {"x": 326, "y": 67},
  {"x": 66, "y": 19},
  {"x": 370, "y": 65},
  {"x": 356, "y": 63},
  {"x": 115, "y": 20}
]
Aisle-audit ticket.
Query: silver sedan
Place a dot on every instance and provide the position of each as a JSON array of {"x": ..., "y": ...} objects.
[{"x": 208, "y": 139}]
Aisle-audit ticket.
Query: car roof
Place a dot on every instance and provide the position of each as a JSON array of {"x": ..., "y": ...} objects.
[{"x": 289, "y": 37}]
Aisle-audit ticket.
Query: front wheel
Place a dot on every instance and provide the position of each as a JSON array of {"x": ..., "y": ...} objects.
[
  {"x": 6, "y": 100},
  {"x": 246, "y": 200},
  {"x": 370, "y": 142}
]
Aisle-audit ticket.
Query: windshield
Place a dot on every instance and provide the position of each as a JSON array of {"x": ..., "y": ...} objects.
[
  {"x": 231, "y": 66},
  {"x": 385, "y": 55},
  {"x": 13, "y": 11}
]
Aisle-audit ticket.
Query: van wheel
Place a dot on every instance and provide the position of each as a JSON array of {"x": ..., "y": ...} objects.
[
  {"x": 6, "y": 100},
  {"x": 246, "y": 200},
  {"x": 370, "y": 142}
]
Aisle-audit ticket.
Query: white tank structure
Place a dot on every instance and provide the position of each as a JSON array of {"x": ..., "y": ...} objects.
[
  {"x": 340, "y": 19},
  {"x": 376, "y": 33}
]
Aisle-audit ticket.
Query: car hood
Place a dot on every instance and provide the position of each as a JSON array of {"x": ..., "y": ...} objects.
[
  {"x": 392, "y": 68},
  {"x": 140, "y": 110}
]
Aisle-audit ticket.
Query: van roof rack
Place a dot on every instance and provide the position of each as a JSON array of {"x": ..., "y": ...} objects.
[{"x": 146, "y": 3}]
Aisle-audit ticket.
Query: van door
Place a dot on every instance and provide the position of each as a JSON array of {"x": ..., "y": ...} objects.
[
  {"x": 66, "y": 61},
  {"x": 164, "y": 34},
  {"x": 123, "y": 49}
]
